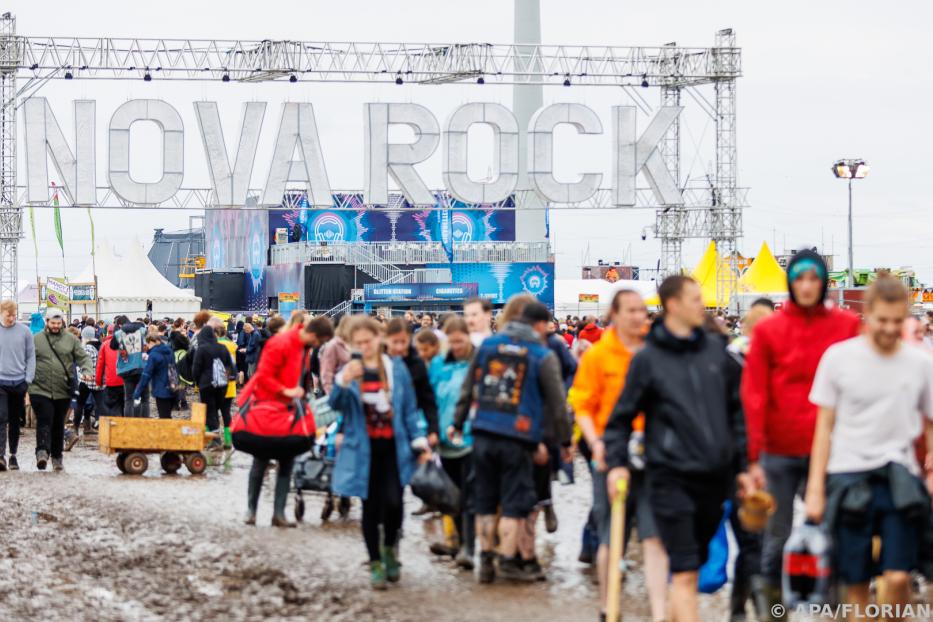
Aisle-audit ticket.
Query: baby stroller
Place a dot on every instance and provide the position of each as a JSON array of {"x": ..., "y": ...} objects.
[{"x": 314, "y": 470}]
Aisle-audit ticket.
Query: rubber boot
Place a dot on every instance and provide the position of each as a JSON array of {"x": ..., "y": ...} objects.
[
  {"x": 737, "y": 598},
  {"x": 393, "y": 569},
  {"x": 467, "y": 544},
  {"x": 228, "y": 438}
]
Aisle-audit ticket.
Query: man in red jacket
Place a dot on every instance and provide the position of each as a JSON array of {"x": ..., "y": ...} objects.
[
  {"x": 107, "y": 377},
  {"x": 780, "y": 420}
]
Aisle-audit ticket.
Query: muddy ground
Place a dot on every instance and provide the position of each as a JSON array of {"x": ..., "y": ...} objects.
[{"x": 91, "y": 544}]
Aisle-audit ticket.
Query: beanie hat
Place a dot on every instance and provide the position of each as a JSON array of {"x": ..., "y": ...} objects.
[{"x": 88, "y": 333}]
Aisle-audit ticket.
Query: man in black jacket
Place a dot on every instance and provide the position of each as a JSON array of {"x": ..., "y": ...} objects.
[
  {"x": 685, "y": 383},
  {"x": 398, "y": 342}
]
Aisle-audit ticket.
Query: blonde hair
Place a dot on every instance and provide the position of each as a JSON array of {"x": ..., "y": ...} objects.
[
  {"x": 297, "y": 318},
  {"x": 754, "y": 315},
  {"x": 367, "y": 323},
  {"x": 8, "y": 306}
]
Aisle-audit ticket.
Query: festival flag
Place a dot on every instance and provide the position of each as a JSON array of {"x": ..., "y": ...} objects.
[
  {"x": 32, "y": 224},
  {"x": 90, "y": 217},
  {"x": 57, "y": 216}
]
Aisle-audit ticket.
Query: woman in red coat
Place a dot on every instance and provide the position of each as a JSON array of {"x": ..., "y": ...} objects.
[{"x": 274, "y": 423}]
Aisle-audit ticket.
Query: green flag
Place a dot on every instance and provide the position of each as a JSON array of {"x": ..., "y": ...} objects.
[
  {"x": 32, "y": 224},
  {"x": 57, "y": 216}
]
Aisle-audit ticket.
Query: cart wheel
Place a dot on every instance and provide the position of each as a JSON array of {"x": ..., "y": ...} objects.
[
  {"x": 299, "y": 508},
  {"x": 327, "y": 509},
  {"x": 196, "y": 463},
  {"x": 135, "y": 463},
  {"x": 121, "y": 462},
  {"x": 171, "y": 462}
]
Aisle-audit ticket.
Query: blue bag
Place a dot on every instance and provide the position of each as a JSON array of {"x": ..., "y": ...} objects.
[{"x": 714, "y": 574}]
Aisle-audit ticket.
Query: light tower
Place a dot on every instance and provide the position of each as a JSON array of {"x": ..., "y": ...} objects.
[{"x": 11, "y": 217}]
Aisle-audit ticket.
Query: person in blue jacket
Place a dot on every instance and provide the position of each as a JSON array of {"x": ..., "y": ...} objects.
[
  {"x": 381, "y": 436},
  {"x": 156, "y": 371},
  {"x": 447, "y": 373}
]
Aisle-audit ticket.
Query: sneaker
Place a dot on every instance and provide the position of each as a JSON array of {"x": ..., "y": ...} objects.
[
  {"x": 550, "y": 518},
  {"x": 377, "y": 576},
  {"x": 42, "y": 459},
  {"x": 464, "y": 560},
  {"x": 393, "y": 569},
  {"x": 13, "y": 464},
  {"x": 513, "y": 569},
  {"x": 2, "y": 464},
  {"x": 71, "y": 437},
  {"x": 57, "y": 464},
  {"x": 487, "y": 567},
  {"x": 533, "y": 568}
]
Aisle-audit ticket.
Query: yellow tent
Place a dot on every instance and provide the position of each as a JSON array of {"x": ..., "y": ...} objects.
[
  {"x": 764, "y": 276},
  {"x": 705, "y": 274}
]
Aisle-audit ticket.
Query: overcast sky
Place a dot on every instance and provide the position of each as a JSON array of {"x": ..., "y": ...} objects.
[{"x": 820, "y": 81}]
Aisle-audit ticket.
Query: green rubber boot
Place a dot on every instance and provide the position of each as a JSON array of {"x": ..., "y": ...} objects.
[
  {"x": 377, "y": 575},
  {"x": 392, "y": 567},
  {"x": 228, "y": 439}
]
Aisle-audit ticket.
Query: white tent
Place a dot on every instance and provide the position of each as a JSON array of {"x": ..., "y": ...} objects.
[
  {"x": 126, "y": 280},
  {"x": 567, "y": 295}
]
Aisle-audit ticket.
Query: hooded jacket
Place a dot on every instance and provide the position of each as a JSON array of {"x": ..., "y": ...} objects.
[
  {"x": 128, "y": 341},
  {"x": 156, "y": 371},
  {"x": 600, "y": 379},
  {"x": 689, "y": 392},
  {"x": 107, "y": 375},
  {"x": 424, "y": 393},
  {"x": 781, "y": 362},
  {"x": 591, "y": 332},
  {"x": 203, "y": 364}
]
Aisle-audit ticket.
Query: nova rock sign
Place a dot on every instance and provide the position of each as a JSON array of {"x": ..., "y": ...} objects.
[{"x": 298, "y": 158}]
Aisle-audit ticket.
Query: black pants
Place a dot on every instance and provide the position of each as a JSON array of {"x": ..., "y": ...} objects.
[
  {"x": 225, "y": 405},
  {"x": 460, "y": 471},
  {"x": 50, "y": 424},
  {"x": 164, "y": 407},
  {"x": 747, "y": 562},
  {"x": 181, "y": 398},
  {"x": 129, "y": 387},
  {"x": 114, "y": 401},
  {"x": 12, "y": 409},
  {"x": 213, "y": 398},
  {"x": 282, "y": 482},
  {"x": 87, "y": 399},
  {"x": 383, "y": 504}
]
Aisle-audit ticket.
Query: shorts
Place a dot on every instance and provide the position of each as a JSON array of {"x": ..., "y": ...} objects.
[
  {"x": 687, "y": 509},
  {"x": 503, "y": 472},
  {"x": 638, "y": 505},
  {"x": 900, "y": 539}
]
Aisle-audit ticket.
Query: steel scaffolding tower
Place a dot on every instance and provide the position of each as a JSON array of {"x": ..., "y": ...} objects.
[
  {"x": 11, "y": 217},
  {"x": 713, "y": 212}
]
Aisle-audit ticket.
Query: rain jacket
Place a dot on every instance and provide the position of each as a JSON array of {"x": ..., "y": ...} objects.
[
  {"x": 208, "y": 350},
  {"x": 156, "y": 372},
  {"x": 599, "y": 380},
  {"x": 689, "y": 392},
  {"x": 447, "y": 375},
  {"x": 51, "y": 378},
  {"x": 351, "y": 471},
  {"x": 424, "y": 394},
  {"x": 128, "y": 341},
  {"x": 591, "y": 332},
  {"x": 107, "y": 366},
  {"x": 785, "y": 351},
  {"x": 231, "y": 347}
]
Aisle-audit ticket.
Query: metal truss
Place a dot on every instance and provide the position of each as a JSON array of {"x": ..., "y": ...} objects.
[
  {"x": 11, "y": 218},
  {"x": 708, "y": 212},
  {"x": 319, "y": 61},
  {"x": 351, "y": 200}
]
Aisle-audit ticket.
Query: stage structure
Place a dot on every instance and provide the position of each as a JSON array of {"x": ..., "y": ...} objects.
[{"x": 707, "y": 211}]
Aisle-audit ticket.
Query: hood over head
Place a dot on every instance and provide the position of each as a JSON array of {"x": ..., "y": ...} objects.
[
  {"x": 206, "y": 335},
  {"x": 806, "y": 261}
]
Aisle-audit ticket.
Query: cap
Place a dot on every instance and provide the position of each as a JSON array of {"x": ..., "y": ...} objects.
[
  {"x": 53, "y": 314},
  {"x": 88, "y": 333}
]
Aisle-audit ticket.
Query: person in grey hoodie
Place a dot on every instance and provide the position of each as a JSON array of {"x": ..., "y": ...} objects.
[{"x": 17, "y": 369}]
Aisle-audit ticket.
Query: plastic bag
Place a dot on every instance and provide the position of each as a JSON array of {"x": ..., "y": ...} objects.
[
  {"x": 433, "y": 486},
  {"x": 806, "y": 577},
  {"x": 713, "y": 574}
]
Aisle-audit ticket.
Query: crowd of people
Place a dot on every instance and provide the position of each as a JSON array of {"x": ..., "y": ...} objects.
[{"x": 698, "y": 413}]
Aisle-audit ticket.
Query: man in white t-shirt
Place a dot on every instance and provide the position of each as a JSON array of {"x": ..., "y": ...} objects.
[{"x": 875, "y": 397}]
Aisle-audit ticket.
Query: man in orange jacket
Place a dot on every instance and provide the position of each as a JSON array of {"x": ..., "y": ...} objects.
[{"x": 596, "y": 388}]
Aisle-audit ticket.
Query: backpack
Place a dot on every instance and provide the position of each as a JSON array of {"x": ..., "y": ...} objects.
[
  {"x": 184, "y": 360},
  {"x": 174, "y": 381},
  {"x": 218, "y": 374}
]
